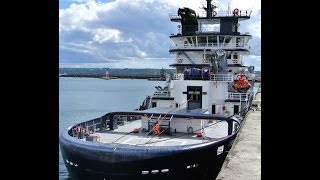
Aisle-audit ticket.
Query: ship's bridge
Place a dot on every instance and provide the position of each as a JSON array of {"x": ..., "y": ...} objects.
[{"x": 208, "y": 42}]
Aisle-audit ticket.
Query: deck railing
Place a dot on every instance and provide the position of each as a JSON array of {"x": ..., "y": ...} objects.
[
  {"x": 238, "y": 96},
  {"x": 204, "y": 76},
  {"x": 211, "y": 45},
  {"x": 221, "y": 77},
  {"x": 89, "y": 127},
  {"x": 203, "y": 14},
  {"x": 161, "y": 94}
]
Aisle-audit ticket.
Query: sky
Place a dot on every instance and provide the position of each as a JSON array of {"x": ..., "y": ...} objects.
[{"x": 135, "y": 33}]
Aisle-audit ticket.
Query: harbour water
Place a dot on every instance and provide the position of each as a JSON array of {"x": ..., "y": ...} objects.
[{"x": 82, "y": 99}]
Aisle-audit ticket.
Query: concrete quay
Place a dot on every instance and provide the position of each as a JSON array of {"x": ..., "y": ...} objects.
[{"x": 244, "y": 158}]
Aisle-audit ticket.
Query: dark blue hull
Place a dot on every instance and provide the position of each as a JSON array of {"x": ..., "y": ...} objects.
[
  {"x": 94, "y": 160},
  {"x": 187, "y": 164}
]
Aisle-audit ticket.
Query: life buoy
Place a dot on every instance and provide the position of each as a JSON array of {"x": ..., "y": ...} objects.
[
  {"x": 136, "y": 130},
  {"x": 236, "y": 12},
  {"x": 157, "y": 129},
  {"x": 199, "y": 134},
  {"x": 214, "y": 13}
]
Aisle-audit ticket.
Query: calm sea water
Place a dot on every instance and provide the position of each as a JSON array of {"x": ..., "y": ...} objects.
[{"x": 82, "y": 99}]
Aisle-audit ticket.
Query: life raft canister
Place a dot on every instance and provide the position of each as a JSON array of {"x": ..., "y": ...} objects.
[{"x": 242, "y": 82}]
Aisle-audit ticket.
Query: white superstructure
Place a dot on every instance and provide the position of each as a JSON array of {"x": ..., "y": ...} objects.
[{"x": 209, "y": 72}]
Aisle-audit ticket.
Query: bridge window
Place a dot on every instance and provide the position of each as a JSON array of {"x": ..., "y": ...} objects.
[
  {"x": 202, "y": 40},
  {"x": 193, "y": 38},
  {"x": 212, "y": 40},
  {"x": 228, "y": 39},
  {"x": 221, "y": 39},
  {"x": 239, "y": 41},
  {"x": 189, "y": 40}
]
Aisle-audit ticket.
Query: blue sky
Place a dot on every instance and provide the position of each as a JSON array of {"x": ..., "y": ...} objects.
[{"x": 134, "y": 33}]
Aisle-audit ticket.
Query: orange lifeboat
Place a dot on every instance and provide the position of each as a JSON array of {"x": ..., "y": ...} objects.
[{"x": 242, "y": 83}]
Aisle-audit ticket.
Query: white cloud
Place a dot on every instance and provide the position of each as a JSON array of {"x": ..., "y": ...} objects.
[
  {"x": 254, "y": 5},
  {"x": 102, "y": 35},
  {"x": 133, "y": 33},
  {"x": 253, "y": 60},
  {"x": 76, "y": 16}
]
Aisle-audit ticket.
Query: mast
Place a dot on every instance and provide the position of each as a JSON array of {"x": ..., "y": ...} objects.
[{"x": 209, "y": 9}]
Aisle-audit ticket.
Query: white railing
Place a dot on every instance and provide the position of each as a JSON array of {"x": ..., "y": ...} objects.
[
  {"x": 238, "y": 96},
  {"x": 211, "y": 45},
  {"x": 221, "y": 77},
  {"x": 195, "y": 60},
  {"x": 202, "y": 14},
  {"x": 208, "y": 29},
  {"x": 211, "y": 29},
  {"x": 225, "y": 13},
  {"x": 178, "y": 76},
  {"x": 161, "y": 94}
]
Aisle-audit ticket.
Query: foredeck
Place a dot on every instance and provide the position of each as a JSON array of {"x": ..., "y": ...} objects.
[{"x": 124, "y": 135}]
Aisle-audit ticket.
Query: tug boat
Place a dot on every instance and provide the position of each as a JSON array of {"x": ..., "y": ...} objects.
[{"x": 184, "y": 129}]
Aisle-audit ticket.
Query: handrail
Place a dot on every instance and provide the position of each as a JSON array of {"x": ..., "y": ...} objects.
[
  {"x": 202, "y": 14},
  {"x": 86, "y": 131},
  {"x": 221, "y": 77},
  {"x": 161, "y": 93},
  {"x": 238, "y": 96},
  {"x": 211, "y": 45}
]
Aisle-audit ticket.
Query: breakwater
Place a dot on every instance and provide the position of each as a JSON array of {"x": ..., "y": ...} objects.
[{"x": 121, "y": 76}]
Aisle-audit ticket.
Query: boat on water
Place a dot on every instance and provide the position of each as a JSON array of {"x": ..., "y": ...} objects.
[
  {"x": 106, "y": 76},
  {"x": 162, "y": 76},
  {"x": 184, "y": 129}
]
